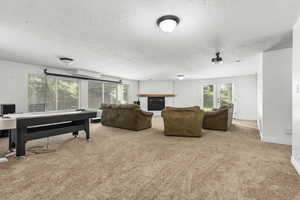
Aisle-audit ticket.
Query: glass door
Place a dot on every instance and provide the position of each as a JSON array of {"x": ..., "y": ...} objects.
[
  {"x": 209, "y": 97},
  {"x": 216, "y": 95},
  {"x": 225, "y": 94}
]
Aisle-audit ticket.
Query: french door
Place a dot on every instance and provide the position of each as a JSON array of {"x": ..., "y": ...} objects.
[{"x": 215, "y": 95}]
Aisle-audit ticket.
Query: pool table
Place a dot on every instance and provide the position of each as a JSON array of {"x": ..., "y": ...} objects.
[{"x": 30, "y": 126}]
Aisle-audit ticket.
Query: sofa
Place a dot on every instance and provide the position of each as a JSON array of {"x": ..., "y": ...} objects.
[
  {"x": 126, "y": 116},
  {"x": 183, "y": 121},
  {"x": 219, "y": 119}
]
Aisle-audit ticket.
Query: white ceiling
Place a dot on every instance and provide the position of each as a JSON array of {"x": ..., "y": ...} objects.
[{"x": 120, "y": 37}]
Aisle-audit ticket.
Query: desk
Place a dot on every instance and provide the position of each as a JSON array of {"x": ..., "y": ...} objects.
[{"x": 30, "y": 126}]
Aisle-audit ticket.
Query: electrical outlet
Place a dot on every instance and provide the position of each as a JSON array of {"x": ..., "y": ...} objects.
[{"x": 288, "y": 131}]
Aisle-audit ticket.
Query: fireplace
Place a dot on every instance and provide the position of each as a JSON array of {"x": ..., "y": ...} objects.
[{"x": 156, "y": 103}]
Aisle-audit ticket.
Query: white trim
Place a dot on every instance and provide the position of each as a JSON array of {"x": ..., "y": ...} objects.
[
  {"x": 102, "y": 92},
  {"x": 296, "y": 164},
  {"x": 259, "y": 126},
  {"x": 287, "y": 141}
]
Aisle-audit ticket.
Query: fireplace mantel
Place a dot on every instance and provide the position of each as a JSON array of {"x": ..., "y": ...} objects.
[{"x": 156, "y": 95}]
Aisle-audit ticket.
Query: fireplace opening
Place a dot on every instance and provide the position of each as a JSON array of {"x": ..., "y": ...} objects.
[{"x": 156, "y": 103}]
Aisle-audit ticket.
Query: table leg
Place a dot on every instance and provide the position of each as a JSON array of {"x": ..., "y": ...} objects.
[
  {"x": 75, "y": 134},
  {"x": 10, "y": 145},
  {"x": 20, "y": 142},
  {"x": 87, "y": 128}
]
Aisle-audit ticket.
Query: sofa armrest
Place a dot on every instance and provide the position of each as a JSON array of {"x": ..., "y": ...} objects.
[
  {"x": 215, "y": 113},
  {"x": 163, "y": 113},
  {"x": 217, "y": 120},
  {"x": 144, "y": 120},
  {"x": 147, "y": 114}
]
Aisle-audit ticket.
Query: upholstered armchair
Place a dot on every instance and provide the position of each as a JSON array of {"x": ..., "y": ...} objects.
[
  {"x": 183, "y": 121},
  {"x": 220, "y": 119},
  {"x": 126, "y": 116}
]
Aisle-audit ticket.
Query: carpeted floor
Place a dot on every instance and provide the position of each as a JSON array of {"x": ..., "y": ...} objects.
[{"x": 121, "y": 164}]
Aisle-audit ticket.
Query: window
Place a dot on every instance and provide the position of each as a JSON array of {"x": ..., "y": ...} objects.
[
  {"x": 67, "y": 94},
  {"x": 208, "y": 97},
  {"x": 110, "y": 93},
  {"x": 37, "y": 93},
  {"x": 95, "y": 94},
  {"x": 51, "y": 100},
  {"x": 122, "y": 94},
  {"x": 52, "y": 93},
  {"x": 48, "y": 93},
  {"x": 226, "y": 94},
  {"x": 216, "y": 95}
]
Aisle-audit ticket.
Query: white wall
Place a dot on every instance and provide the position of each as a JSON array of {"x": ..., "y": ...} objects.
[
  {"x": 276, "y": 96},
  {"x": 260, "y": 94},
  {"x": 189, "y": 93},
  {"x": 13, "y": 85},
  {"x": 246, "y": 95},
  {"x": 296, "y": 97},
  {"x": 156, "y": 87}
]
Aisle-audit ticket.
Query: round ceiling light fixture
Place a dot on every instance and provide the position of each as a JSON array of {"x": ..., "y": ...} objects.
[
  {"x": 66, "y": 61},
  {"x": 168, "y": 23},
  {"x": 180, "y": 76}
]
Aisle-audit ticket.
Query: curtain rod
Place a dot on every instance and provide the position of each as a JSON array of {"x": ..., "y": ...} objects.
[{"x": 80, "y": 77}]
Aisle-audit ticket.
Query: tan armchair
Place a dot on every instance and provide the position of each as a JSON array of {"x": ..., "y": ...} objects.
[
  {"x": 126, "y": 116},
  {"x": 220, "y": 119},
  {"x": 183, "y": 121}
]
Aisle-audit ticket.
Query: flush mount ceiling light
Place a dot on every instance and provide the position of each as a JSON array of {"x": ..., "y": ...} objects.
[
  {"x": 168, "y": 23},
  {"x": 180, "y": 76},
  {"x": 66, "y": 61},
  {"x": 218, "y": 59}
]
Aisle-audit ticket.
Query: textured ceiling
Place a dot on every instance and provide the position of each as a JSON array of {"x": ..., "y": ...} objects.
[{"x": 120, "y": 37}]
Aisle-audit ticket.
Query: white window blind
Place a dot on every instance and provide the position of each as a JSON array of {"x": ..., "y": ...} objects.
[
  {"x": 67, "y": 94},
  {"x": 111, "y": 93},
  {"x": 37, "y": 95},
  {"x": 52, "y": 93},
  {"x": 95, "y": 94},
  {"x": 122, "y": 96}
]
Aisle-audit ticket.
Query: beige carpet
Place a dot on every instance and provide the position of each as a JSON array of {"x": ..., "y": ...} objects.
[{"x": 120, "y": 164}]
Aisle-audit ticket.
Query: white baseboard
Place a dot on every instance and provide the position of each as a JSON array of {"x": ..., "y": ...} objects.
[
  {"x": 296, "y": 164},
  {"x": 287, "y": 141}
]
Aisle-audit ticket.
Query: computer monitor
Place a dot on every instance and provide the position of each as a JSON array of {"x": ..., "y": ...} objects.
[{"x": 7, "y": 109}]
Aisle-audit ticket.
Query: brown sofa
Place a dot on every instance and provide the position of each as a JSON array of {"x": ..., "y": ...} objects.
[
  {"x": 126, "y": 116},
  {"x": 220, "y": 119},
  {"x": 183, "y": 121}
]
